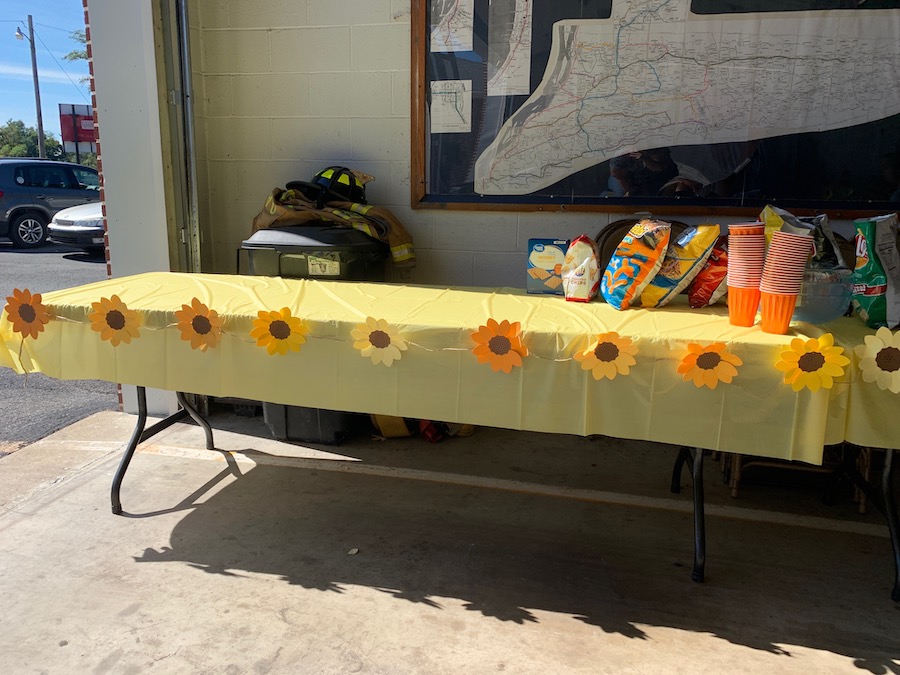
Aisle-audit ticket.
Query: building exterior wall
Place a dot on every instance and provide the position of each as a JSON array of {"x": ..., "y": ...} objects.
[
  {"x": 283, "y": 88},
  {"x": 126, "y": 105},
  {"x": 125, "y": 96}
]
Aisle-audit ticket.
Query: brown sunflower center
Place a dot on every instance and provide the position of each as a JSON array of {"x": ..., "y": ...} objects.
[
  {"x": 606, "y": 351},
  {"x": 499, "y": 345},
  {"x": 27, "y": 313},
  {"x": 279, "y": 329},
  {"x": 115, "y": 319},
  {"x": 708, "y": 360},
  {"x": 201, "y": 325},
  {"x": 379, "y": 339},
  {"x": 888, "y": 359},
  {"x": 811, "y": 362}
]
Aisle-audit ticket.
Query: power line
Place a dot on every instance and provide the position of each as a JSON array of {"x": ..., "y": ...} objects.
[
  {"x": 64, "y": 30},
  {"x": 80, "y": 92}
]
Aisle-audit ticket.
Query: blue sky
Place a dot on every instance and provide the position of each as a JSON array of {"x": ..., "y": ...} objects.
[{"x": 53, "y": 21}]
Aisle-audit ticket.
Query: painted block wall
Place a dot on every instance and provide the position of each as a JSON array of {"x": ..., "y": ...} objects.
[
  {"x": 284, "y": 89},
  {"x": 288, "y": 87}
]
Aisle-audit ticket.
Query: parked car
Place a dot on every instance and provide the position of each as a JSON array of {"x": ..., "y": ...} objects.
[
  {"x": 80, "y": 226},
  {"x": 33, "y": 190}
]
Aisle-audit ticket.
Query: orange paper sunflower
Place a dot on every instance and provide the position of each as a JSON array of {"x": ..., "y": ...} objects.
[
  {"x": 199, "y": 325},
  {"x": 114, "y": 321},
  {"x": 378, "y": 340},
  {"x": 609, "y": 355},
  {"x": 709, "y": 365},
  {"x": 500, "y": 345},
  {"x": 27, "y": 314},
  {"x": 812, "y": 364},
  {"x": 279, "y": 332}
]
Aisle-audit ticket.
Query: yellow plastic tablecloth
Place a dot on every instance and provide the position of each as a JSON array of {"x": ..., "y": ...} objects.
[{"x": 438, "y": 377}]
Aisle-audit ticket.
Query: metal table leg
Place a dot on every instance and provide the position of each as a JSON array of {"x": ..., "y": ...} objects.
[
  {"x": 696, "y": 457},
  {"x": 141, "y": 434},
  {"x": 883, "y": 499},
  {"x": 890, "y": 514},
  {"x": 699, "y": 516},
  {"x": 683, "y": 455}
]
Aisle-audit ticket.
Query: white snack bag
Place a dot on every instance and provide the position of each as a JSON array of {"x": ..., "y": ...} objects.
[{"x": 581, "y": 271}]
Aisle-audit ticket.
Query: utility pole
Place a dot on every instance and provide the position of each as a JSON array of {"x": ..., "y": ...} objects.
[{"x": 37, "y": 91}]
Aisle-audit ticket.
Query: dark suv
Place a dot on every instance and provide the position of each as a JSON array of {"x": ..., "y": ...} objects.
[{"x": 33, "y": 190}]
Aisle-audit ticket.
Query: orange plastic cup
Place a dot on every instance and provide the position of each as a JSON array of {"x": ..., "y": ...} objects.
[
  {"x": 744, "y": 229},
  {"x": 777, "y": 309},
  {"x": 742, "y": 305}
]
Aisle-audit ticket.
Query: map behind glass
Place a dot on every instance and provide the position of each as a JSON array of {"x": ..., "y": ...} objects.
[{"x": 716, "y": 98}]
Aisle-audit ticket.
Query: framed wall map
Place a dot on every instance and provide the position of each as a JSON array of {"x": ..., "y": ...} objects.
[{"x": 666, "y": 105}]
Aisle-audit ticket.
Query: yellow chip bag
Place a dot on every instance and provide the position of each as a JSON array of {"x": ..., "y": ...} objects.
[
  {"x": 635, "y": 262},
  {"x": 685, "y": 257}
]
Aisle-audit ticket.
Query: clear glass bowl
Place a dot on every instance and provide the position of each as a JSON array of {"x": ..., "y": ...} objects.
[{"x": 824, "y": 296}]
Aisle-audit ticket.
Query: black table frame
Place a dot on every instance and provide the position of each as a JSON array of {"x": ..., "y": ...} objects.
[{"x": 883, "y": 499}]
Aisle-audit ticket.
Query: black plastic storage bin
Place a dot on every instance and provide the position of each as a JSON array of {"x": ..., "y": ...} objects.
[{"x": 325, "y": 252}]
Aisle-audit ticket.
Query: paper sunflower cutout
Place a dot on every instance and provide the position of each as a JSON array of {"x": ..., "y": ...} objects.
[
  {"x": 812, "y": 363},
  {"x": 378, "y": 340},
  {"x": 879, "y": 359},
  {"x": 499, "y": 344},
  {"x": 26, "y": 312},
  {"x": 114, "y": 321},
  {"x": 199, "y": 325},
  {"x": 709, "y": 365},
  {"x": 608, "y": 356},
  {"x": 279, "y": 332}
]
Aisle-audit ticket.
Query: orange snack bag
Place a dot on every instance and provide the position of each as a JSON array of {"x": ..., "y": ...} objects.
[
  {"x": 710, "y": 283},
  {"x": 636, "y": 261}
]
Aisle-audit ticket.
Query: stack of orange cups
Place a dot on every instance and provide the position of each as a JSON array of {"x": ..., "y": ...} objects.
[
  {"x": 746, "y": 257},
  {"x": 782, "y": 277}
]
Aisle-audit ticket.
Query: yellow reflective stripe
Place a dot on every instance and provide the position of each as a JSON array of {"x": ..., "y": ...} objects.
[
  {"x": 362, "y": 209},
  {"x": 363, "y": 227},
  {"x": 344, "y": 214},
  {"x": 402, "y": 252},
  {"x": 342, "y": 178}
]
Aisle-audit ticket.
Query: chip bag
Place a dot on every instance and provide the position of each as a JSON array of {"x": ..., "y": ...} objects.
[
  {"x": 635, "y": 262},
  {"x": 684, "y": 259},
  {"x": 876, "y": 279},
  {"x": 580, "y": 273},
  {"x": 711, "y": 283}
]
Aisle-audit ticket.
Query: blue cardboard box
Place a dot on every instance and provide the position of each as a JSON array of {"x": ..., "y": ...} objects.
[{"x": 545, "y": 260}]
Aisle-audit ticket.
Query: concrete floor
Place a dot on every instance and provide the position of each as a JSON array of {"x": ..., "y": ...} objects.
[{"x": 501, "y": 552}]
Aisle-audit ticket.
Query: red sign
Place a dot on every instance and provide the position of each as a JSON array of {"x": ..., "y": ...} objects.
[{"x": 76, "y": 122}]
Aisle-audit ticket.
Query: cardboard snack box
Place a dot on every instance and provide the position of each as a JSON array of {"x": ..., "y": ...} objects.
[{"x": 546, "y": 258}]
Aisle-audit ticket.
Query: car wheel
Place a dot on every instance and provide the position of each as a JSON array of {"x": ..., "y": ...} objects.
[{"x": 28, "y": 230}]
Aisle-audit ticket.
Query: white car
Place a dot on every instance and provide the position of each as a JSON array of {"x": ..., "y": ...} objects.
[{"x": 80, "y": 226}]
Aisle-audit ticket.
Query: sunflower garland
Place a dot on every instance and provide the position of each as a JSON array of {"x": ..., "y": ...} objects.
[
  {"x": 378, "y": 340},
  {"x": 608, "y": 356},
  {"x": 709, "y": 365},
  {"x": 879, "y": 359},
  {"x": 807, "y": 363},
  {"x": 114, "y": 321},
  {"x": 199, "y": 325},
  {"x": 279, "y": 332},
  {"x": 26, "y": 312},
  {"x": 812, "y": 364},
  {"x": 500, "y": 345}
]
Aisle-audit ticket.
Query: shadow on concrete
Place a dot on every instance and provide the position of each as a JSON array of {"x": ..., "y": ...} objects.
[
  {"x": 512, "y": 556},
  {"x": 91, "y": 256}
]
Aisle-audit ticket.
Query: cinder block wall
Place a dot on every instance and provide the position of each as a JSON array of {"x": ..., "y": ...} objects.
[{"x": 284, "y": 88}]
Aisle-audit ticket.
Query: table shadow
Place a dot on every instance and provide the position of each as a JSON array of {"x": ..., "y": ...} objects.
[{"x": 510, "y": 556}]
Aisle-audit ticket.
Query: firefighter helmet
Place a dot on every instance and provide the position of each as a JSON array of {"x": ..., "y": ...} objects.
[{"x": 342, "y": 184}]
